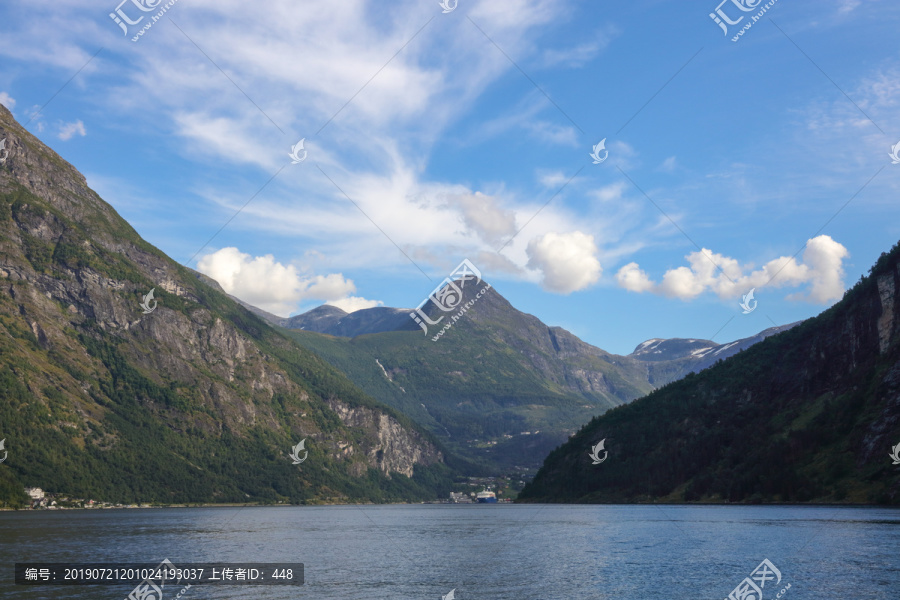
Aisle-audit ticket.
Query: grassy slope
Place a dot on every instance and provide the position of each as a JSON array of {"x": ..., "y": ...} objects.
[{"x": 471, "y": 386}]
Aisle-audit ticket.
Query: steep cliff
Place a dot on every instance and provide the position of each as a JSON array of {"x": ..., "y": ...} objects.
[
  {"x": 188, "y": 398},
  {"x": 810, "y": 414}
]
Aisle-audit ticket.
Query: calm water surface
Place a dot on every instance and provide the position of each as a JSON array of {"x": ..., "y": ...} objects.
[{"x": 486, "y": 552}]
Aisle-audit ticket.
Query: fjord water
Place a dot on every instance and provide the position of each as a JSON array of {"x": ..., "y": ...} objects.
[{"x": 488, "y": 552}]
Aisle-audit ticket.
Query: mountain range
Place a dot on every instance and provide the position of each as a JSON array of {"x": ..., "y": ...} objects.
[{"x": 501, "y": 388}]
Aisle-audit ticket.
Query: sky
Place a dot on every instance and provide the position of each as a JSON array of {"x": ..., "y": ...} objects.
[{"x": 625, "y": 170}]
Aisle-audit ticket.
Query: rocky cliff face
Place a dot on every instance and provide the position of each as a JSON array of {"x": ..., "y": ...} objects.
[
  {"x": 87, "y": 361},
  {"x": 389, "y": 447},
  {"x": 888, "y": 323}
]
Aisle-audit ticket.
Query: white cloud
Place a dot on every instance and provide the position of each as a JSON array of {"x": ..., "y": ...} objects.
[
  {"x": 825, "y": 257},
  {"x": 525, "y": 115},
  {"x": 567, "y": 261},
  {"x": 581, "y": 54},
  {"x": 553, "y": 133},
  {"x": 7, "y": 100},
  {"x": 354, "y": 303},
  {"x": 846, "y": 6},
  {"x": 633, "y": 279},
  {"x": 483, "y": 215},
  {"x": 552, "y": 179},
  {"x": 611, "y": 192},
  {"x": 821, "y": 269},
  {"x": 67, "y": 130},
  {"x": 489, "y": 260},
  {"x": 274, "y": 287},
  {"x": 621, "y": 154}
]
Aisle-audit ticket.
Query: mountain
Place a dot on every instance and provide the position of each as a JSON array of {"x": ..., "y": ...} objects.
[
  {"x": 500, "y": 387},
  {"x": 334, "y": 321},
  {"x": 193, "y": 399},
  {"x": 657, "y": 350},
  {"x": 677, "y": 357},
  {"x": 494, "y": 388},
  {"x": 807, "y": 415}
]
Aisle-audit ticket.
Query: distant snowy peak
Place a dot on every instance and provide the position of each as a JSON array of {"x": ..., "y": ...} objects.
[
  {"x": 700, "y": 354},
  {"x": 672, "y": 349}
]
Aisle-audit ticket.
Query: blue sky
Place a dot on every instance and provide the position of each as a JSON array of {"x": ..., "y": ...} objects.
[{"x": 728, "y": 161}]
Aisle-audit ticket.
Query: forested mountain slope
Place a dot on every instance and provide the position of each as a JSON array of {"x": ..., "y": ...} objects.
[{"x": 197, "y": 400}]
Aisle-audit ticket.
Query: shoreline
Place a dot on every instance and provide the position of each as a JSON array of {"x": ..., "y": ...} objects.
[{"x": 258, "y": 505}]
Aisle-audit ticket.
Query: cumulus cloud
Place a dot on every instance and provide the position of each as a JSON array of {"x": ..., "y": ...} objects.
[
  {"x": 353, "y": 303},
  {"x": 274, "y": 287},
  {"x": 633, "y": 279},
  {"x": 67, "y": 130},
  {"x": 567, "y": 261},
  {"x": 821, "y": 270},
  {"x": 825, "y": 257},
  {"x": 7, "y": 100}
]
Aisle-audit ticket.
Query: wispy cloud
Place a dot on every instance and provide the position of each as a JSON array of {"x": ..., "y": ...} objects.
[
  {"x": 7, "y": 100},
  {"x": 68, "y": 130},
  {"x": 577, "y": 56}
]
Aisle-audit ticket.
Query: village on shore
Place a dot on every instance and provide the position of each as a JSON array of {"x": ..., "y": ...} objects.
[{"x": 38, "y": 499}]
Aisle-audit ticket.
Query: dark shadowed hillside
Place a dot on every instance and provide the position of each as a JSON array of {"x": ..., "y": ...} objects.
[{"x": 808, "y": 415}]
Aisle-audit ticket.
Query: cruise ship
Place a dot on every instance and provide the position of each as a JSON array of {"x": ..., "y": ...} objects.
[{"x": 486, "y": 497}]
